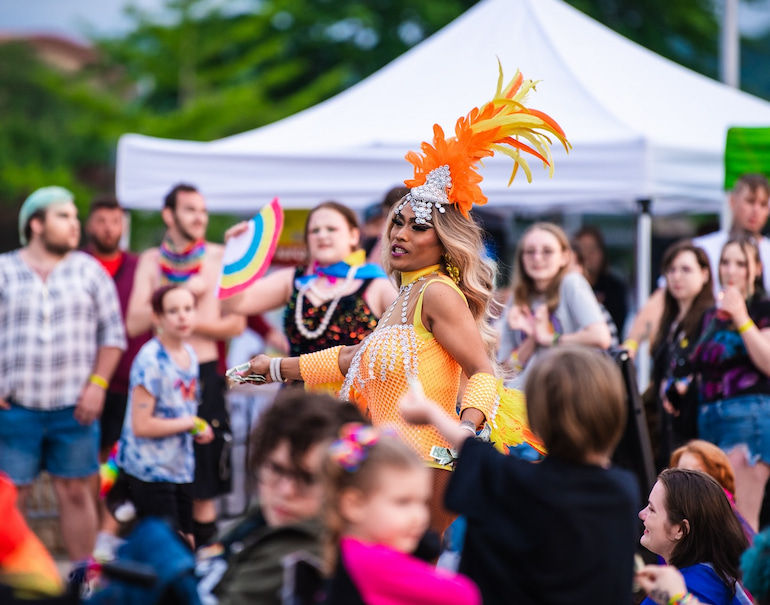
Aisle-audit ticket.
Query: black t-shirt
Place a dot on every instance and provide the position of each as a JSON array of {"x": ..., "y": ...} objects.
[
  {"x": 611, "y": 292},
  {"x": 553, "y": 532}
]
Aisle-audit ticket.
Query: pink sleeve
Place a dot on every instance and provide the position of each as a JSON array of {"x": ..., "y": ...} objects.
[{"x": 384, "y": 576}]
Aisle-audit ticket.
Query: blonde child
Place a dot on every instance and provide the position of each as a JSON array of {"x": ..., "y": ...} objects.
[
  {"x": 377, "y": 493},
  {"x": 156, "y": 446}
]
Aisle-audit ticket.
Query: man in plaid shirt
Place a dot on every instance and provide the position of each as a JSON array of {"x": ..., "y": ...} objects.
[{"x": 61, "y": 336}]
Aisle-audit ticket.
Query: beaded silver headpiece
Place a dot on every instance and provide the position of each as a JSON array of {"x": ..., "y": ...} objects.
[{"x": 434, "y": 192}]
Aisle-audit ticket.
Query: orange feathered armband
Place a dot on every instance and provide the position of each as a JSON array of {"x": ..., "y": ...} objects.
[{"x": 502, "y": 125}]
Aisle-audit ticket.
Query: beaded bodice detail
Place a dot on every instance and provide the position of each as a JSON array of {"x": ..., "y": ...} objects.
[
  {"x": 350, "y": 322},
  {"x": 398, "y": 351}
]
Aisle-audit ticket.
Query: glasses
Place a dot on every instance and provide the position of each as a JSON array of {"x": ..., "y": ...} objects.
[
  {"x": 271, "y": 474},
  {"x": 544, "y": 252}
]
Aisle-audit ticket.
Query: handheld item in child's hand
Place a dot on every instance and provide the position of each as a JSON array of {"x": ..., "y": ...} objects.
[{"x": 236, "y": 376}]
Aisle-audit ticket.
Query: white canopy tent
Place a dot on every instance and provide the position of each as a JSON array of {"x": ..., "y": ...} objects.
[{"x": 641, "y": 126}]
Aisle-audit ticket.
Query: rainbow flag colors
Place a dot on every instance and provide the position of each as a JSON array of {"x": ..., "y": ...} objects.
[{"x": 248, "y": 255}]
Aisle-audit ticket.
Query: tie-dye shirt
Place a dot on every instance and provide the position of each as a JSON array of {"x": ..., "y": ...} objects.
[
  {"x": 176, "y": 394},
  {"x": 721, "y": 360}
]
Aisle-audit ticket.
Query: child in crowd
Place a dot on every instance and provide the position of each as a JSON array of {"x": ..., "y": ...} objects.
[
  {"x": 376, "y": 508},
  {"x": 561, "y": 531},
  {"x": 156, "y": 446}
]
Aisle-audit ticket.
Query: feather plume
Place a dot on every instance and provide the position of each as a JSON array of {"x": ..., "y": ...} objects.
[{"x": 503, "y": 125}]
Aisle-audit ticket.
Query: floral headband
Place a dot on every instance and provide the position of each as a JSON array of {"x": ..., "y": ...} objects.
[{"x": 351, "y": 449}]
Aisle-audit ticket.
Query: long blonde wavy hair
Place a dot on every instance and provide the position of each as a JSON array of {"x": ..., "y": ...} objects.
[{"x": 463, "y": 241}]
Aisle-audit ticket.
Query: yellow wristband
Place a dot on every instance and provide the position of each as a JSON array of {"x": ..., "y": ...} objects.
[
  {"x": 630, "y": 344},
  {"x": 98, "y": 381},
  {"x": 746, "y": 326}
]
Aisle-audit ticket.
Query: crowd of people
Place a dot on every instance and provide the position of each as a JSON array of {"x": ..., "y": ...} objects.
[{"x": 412, "y": 400}]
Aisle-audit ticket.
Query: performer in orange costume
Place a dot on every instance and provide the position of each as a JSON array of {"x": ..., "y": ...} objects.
[{"x": 438, "y": 330}]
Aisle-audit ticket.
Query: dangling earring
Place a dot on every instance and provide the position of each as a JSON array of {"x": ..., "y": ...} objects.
[{"x": 452, "y": 270}]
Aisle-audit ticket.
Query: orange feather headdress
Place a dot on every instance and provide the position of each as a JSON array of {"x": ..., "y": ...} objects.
[{"x": 445, "y": 172}]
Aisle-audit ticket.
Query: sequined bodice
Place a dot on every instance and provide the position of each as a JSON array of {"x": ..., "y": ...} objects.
[
  {"x": 399, "y": 350},
  {"x": 351, "y": 322}
]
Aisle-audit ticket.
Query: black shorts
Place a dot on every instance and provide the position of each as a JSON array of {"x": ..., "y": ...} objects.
[
  {"x": 111, "y": 421},
  {"x": 169, "y": 501},
  {"x": 213, "y": 468}
]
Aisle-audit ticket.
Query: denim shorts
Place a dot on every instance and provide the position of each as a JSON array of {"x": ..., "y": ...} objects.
[
  {"x": 738, "y": 422},
  {"x": 50, "y": 440}
]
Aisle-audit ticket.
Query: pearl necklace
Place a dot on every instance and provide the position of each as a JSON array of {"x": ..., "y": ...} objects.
[{"x": 314, "y": 334}]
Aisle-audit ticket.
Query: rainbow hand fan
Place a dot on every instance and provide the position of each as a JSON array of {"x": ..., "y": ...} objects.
[{"x": 248, "y": 255}]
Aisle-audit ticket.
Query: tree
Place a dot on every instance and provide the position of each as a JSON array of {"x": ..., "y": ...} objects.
[
  {"x": 203, "y": 72},
  {"x": 685, "y": 31},
  {"x": 55, "y": 129}
]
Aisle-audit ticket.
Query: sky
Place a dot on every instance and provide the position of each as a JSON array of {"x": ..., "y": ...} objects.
[{"x": 75, "y": 18}]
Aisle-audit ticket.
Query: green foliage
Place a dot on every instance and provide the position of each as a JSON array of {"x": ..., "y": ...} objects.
[
  {"x": 53, "y": 128},
  {"x": 202, "y": 73},
  {"x": 207, "y": 73},
  {"x": 685, "y": 31}
]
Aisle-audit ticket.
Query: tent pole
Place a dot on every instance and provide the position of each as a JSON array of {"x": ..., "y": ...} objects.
[
  {"x": 730, "y": 45},
  {"x": 643, "y": 276},
  {"x": 125, "y": 238}
]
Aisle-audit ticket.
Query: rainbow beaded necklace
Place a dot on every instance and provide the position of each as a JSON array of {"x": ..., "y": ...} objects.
[{"x": 177, "y": 266}]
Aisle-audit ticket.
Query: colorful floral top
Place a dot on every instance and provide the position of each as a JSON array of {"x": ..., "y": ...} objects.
[
  {"x": 721, "y": 360},
  {"x": 352, "y": 321},
  {"x": 176, "y": 394}
]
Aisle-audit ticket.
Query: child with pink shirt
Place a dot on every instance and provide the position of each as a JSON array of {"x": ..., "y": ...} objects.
[{"x": 377, "y": 494}]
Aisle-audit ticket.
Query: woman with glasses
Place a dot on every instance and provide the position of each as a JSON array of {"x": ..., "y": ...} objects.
[
  {"x": 551, "y": 304},
  {"x": 732, "y": 365},
  {"x": 689, "y": 294}
]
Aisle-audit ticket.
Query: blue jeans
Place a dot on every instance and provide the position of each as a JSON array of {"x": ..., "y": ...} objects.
[
  {"x": 50, "y": 440},
  {"x": 739, "y": 421}
]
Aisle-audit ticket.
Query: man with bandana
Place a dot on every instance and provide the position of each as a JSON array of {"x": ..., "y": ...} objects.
[
  {"x": 186, "y": 257},
  {"x": 61, "y": 337}
]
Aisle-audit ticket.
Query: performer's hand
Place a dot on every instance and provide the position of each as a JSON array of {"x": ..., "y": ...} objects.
[
  {"x": 415, "y": 407},
  {"x": 4, "y": 405},
  {"x": 90, "y": 404},
  {"x": 207, "y": 436},
  {"x": 661, "y": 582},
  {"x": 260, "y": 365},
  {"x": 236, "y": 230}
]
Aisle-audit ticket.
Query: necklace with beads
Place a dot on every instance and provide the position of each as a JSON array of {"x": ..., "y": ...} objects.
[
  {"x": 406, "y": 291},
  {"x": 338, "y": 293}
]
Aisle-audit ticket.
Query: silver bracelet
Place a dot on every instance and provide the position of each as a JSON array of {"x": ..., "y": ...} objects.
[{"x": 275, "y": 369}]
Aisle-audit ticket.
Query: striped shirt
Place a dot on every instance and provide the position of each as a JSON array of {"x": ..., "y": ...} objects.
[{"x": 52, "y": 330}]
